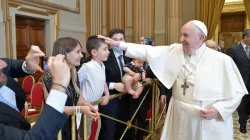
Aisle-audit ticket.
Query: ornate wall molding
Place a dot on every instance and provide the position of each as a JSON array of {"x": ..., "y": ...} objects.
[
  {"x": 230, "y": 7},
  {"x": 57, "y": 6},
  {"x": 72, "y": 27}
]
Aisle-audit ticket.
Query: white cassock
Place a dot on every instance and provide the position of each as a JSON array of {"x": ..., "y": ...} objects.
[{"x": 213, "y": 79}]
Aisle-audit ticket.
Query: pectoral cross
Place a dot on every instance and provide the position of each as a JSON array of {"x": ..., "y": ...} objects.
[{"x": 184, "y": 86}]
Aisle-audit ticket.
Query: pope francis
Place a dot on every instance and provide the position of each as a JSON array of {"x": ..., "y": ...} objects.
[{"x": 207, "y": 86}]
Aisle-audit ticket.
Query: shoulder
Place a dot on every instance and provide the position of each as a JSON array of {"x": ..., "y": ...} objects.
[{"x": 216, "y": 56}]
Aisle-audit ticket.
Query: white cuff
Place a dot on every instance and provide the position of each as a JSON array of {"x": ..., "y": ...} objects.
[
  {"x": 25, "y": 68},
  {"x": 111, "y": 86},
  {"x": 123, "y": 46},
  {"x": 57, "y": 100}
]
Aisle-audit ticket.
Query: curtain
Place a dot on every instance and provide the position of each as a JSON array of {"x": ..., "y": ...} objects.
[
  {"x": 247, "y": 5},
  {"x": 209, "y": 12}
]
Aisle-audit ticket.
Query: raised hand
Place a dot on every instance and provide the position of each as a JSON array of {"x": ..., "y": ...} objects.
[
  {"x": 59, "y": 70},
  {"x": 33, "y": 59},
  {"x": 109, "y": 41}
]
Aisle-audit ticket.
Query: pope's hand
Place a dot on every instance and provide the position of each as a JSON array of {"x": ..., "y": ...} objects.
[
  {"x": 110, "y": 41},
  {"x": 209, "y": 113}
]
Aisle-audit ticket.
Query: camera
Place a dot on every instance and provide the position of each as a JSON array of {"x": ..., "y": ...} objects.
[{"x": 45, "y": 63}]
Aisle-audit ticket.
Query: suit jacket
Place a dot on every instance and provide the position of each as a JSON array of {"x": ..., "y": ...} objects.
[
  {"x": 46, "y": 127},
  {"x": 240, "y": 58},
  {"x": 14, "y": 70},
  {"x": 112, "y": 69},
  {"x": 11, "y": 117}
]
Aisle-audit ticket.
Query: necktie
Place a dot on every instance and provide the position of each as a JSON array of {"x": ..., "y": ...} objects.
[
  {"x": 120, "y": 63},
  {"x": 248, "y": 51}
]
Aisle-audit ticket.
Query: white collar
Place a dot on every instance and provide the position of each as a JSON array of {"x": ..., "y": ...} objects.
[
  {"x": 8, "y": 94},
  {"x": 117, "y": 54},
  {"x": 244, "y": 45},
  {"x": 198, "y": 53},
  {"x": 97, "y": 64}
]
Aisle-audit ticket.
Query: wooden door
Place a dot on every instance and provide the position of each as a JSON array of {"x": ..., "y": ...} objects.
[{"x": 29, "y": 31}]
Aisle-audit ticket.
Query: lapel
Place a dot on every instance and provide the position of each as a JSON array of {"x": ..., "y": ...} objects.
[
  {"x": 114, "y": 61},
  {"x": 242, "y": 51}
]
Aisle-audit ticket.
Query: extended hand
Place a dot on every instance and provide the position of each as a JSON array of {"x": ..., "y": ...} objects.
[
  {"x": 33, "y": 59},
  {"x": 106, "y": 100},
  {"x": 209, "y": 113},
  {"x": 110, "y": 41},
  {"x": 148, "y": 80},
  {"x": 163, "y": 99}
]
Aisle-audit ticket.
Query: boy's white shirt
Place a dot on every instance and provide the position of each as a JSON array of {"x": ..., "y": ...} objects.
[{"x": 92, "y": 80}]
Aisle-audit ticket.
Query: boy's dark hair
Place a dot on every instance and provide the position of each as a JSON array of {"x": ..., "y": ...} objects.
[
  {"x": 93, "y": 42},
  {"x": 116, "y": 31}
]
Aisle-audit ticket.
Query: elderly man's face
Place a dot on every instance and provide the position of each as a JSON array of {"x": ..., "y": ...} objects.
[
  {"x": 190, "y": 37},
  {"x": 3, "y": 78},
  {"x": 142, "y": 40}
]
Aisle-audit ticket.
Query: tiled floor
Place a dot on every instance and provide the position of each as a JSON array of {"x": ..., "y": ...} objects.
[{"x": 237, "y": 134}]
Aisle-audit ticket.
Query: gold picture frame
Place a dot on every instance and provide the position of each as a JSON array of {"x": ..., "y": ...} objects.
[{"x": 57, "y": 6}]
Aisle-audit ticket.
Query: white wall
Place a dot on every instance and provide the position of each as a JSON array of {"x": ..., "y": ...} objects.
[{"x": 73, "y": 25}]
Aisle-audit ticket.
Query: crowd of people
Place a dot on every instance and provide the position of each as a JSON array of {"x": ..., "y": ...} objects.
[{"x": 201, "y": 86}]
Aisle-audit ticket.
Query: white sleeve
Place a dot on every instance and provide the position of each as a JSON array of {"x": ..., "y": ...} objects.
[
  {"x": 57, "y": 100},
  {"x": 111, "y": 85},
  {"x": 123, "y": 45},
  {"x": 82, "y": 73}
]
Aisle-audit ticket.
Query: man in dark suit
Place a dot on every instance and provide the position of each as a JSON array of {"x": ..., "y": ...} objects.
[
  {"x": 52, "y": 119},
  {"x": 117, "y": 108},
  {"x": 240, "y": 55}
]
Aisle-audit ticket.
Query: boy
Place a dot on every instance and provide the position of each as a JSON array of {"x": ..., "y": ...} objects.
[
  {"x": 133, "y": 77},
  {"x": 92, "y": 76}
]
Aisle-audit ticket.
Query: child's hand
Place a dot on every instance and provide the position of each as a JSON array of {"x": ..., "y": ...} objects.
[
  {"x": 136, "y": 95},
  {"x": 91, "y": 113},
  {"x": 106, "y": 100},
  {"x": 136, "y": 77}
]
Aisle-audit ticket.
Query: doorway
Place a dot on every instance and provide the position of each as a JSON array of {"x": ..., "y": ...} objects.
[{"x": 29, "y": 31}]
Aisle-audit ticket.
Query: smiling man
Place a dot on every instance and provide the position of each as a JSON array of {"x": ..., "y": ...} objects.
[{"x": 205, "y": 91}]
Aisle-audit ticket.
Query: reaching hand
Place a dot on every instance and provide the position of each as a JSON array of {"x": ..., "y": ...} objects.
[
  {"x": 106, "y": 100},
  {"x": 163, "y": 99},
  {"x": 91, "y": 113},
  {"x": 110, "y": 41},
  {"x": 33, "y": 59},
  {"x": 59, "y": 70},
  {"x": 209, "y": 113},
  {"x": 148, "y": 80}
]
